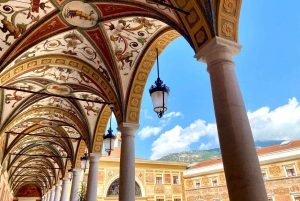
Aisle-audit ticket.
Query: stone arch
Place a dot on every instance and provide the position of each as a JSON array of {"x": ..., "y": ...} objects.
[
  {"x": 36, "y": 62},
  {"x": 100, "y": 130},
  {"x": 80, "y": 152},
  {"x": 141, "y": 75},
  {"x": 228, "y": 19}
]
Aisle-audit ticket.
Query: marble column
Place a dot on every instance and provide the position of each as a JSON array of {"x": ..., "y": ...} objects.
[
  {"x": 127, "y": 162},
  {"x": 48, "y": 195},
  {"x": 241, "y": 165},
  {"x": 57, "y": 192},
  {"x": 52, "y": 193},
  {"x": 91, "y": 194},
  {"x": 65, "y": 186},
  {"x": 75, "y": 184}
]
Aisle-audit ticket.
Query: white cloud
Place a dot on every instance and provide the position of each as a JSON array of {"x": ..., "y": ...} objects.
[
  {"x": 148, "y": 131},
  {"x": 206, "y": 146},
  {"x": 283, "y": 123},
  {"x": 172, "y": 114},
  {"x": 168, "y": 117},
  {"x": 179, "y": 139}
]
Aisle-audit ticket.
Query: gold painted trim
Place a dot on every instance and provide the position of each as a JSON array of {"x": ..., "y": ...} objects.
[{"x": 142, "y": 73}]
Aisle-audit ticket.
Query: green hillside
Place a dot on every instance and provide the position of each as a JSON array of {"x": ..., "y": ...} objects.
[
  {"x": 192, "y": 156},
  {"x": 203, "y": 155}
]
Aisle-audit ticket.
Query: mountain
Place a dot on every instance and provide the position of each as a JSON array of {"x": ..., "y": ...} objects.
[{"x": 197, "y": 156}]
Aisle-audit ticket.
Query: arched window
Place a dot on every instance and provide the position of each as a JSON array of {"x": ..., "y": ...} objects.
[{"x": 113, "y": 190}]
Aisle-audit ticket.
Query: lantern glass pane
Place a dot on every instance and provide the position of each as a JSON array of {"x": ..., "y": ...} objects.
[
  {"x": 109, "y": 144},
  {"x": 70, "y": 175},
  {"x": 157, "y": 101},
  {"x": 83, "y": 164},
  {"x": 87, "y": 164}
]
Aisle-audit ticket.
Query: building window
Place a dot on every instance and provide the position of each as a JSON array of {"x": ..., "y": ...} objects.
[
  {"x": 175, "y": 179},
  {"x": 296, "y": 198},
  {"x": 177, "y": 198},
  {"x": 270, "y": 198},
  {"x": 290, "y": 171},
  {"x": 197, "y": 183},
  {"x": 160, "y": 198},
  {"x": 264, "y": 174},
  {"x": 113, "y": 190},
  {"x": 214, "y": 181},
  {"x": 159, "y": 179}
]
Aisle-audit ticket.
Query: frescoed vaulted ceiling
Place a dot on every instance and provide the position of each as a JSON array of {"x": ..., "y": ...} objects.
[{"x": 62, "y": 62}]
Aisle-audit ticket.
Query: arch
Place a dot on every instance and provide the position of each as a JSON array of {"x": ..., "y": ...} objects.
[
  {"x": 141, "y": 75},
  {"x": 100, "y": 130},
  {"x": 113, "y": 189},
  {"x": 228, "y": 19},
  {"x": 61, "y": 60},
  {"x": 80, "y": 152}
]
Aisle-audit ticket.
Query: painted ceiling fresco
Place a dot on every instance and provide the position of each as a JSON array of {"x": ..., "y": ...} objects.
[{"x": 62, "y": 63}]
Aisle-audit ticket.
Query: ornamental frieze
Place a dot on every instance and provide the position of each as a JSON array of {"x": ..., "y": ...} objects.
[
  {"x": 159, "y": 190},
  {"x": 149, "y": 178},
  {"x": 281, "y": 191}
]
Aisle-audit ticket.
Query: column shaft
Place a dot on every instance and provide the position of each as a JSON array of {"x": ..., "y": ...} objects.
[
  {"x": 75, "y": 184},
  {"x": 127, "y": 162},
  {"x": 52, "y": 194},
  {"x": 57, "y": 192},
  {"x": 91, "y": 194},
  {"x": 65, "y": 186},
  {"x": 241, "y": 165},
  {"x": 49, "y": 195}
]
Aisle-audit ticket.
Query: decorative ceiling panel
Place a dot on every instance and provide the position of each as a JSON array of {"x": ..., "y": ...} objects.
[
  {"x": 13, "y": 98},
  {"x": 167, "y": 12},
  {"x": 70, "y": 43},
  {"x": 91, "y": 109},
  {"x": 18, "y": 18},
  {"x": 128, "y": 37}
]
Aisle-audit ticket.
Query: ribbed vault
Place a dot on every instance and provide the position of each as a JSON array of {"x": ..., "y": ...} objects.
[{"x": 63, "y": 61}]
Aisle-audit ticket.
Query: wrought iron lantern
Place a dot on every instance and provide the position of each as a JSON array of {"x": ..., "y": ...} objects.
[
  {"x": 109, "y": 138},
  {"x": 159, "y": 94},
  {"x": 70, "y": 174},
  {"x": 84, "y": 161}
]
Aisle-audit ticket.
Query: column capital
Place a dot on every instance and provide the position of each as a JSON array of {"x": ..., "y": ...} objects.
[
  {"x": 58, "y": 185},
  {"x": 128, "y": 127},
  {"x": 216, "y": 48},
  {"x": 95, "y": 157},
  {"x": 66, "y": 180},
  {"x": 76, "y": 171}
]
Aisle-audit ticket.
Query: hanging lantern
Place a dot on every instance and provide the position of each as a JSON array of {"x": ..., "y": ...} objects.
[
  {"x": 159, "y": 94},
  {"x": 70, "y": 174},
  {"x": 84, "y": 162},
  {"x": 109, "y": 140}
]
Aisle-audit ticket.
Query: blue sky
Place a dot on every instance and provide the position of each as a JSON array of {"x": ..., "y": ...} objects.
[{"x": 268, "y": 70}]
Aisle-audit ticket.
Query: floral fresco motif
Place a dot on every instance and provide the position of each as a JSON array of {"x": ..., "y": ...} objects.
[
  {"x": 17, "y": 16},
  {"x": 128, "y": 36},
  {"x": 70, "y": 43}
]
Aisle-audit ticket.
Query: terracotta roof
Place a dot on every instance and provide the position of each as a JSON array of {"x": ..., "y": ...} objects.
[
  {"x": 116, "y": 153},
  {"x": 259, "y": 151},
  {"x": 278, "y": 147}
]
